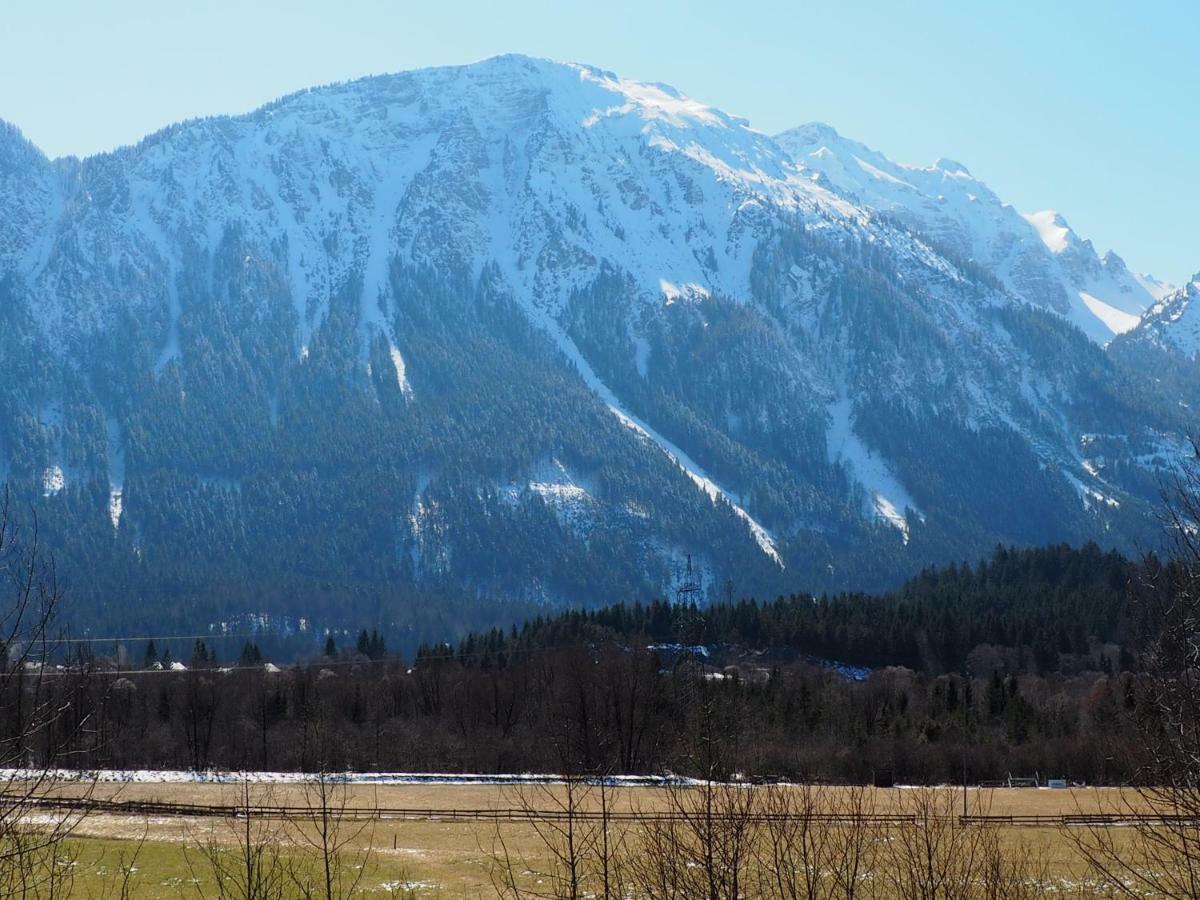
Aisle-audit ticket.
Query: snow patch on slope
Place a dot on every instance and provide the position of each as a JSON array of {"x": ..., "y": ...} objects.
[
  {"x": 401, "y": 371},
  {"x": 889, "y": 499},
  {"x": 1089, "y": 494},
  {"x": 1115, "y": 320},
  {"x": 570, "y": 496},
  {"x": 697, "y": 474},
  {"x": 145, "y": 223},
  {"x": 115, "y": 454},
  {"x": 53, "y": 480},
  {"x": 429, "y": 551},
  {"x": 1159, "y": 290},
  {"x": 376, "y": 295},
  {"x": 1051, "y": 228},
  {"x": 881, "y": 175},
  {"x": 641, "y": 355}
]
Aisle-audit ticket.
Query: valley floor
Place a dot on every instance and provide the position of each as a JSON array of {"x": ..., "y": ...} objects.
[{"x": 429, "y": 851}]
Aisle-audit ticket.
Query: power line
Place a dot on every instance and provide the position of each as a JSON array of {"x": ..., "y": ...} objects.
[
  {"x": 166, "y": 637},
  {"x": 319, "y": 663}
]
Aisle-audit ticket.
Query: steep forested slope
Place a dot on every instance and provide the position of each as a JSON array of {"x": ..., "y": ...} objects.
[{"x": 530, "y": 333}]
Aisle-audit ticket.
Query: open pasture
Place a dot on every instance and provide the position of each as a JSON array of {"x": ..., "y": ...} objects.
[{"x": 456, "y": 840}]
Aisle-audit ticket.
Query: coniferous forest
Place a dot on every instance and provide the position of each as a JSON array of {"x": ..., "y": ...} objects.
[{"x": 1030, "y": 662}]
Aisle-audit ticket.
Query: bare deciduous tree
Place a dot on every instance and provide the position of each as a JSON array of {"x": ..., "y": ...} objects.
[
  {"x": 1159, "y": 853},
  {"x": 334, "y": 836},
  {"x": 579, "y": 845},
  {"x": 936, "y": 854},
  {"x": 816, "y": 842},
  {"x": 242, "y": 857},
  {"x": 41, "y": 727},
  {"x": 701, "y": 846}
]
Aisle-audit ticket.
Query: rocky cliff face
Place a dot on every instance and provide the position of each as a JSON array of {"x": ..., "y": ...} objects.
[{"x": 1036, "y": 257}]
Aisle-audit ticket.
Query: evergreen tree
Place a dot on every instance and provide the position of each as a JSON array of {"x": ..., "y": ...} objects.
[
  {"x": 376, "y": 649},
  {"x": 251, "y": 656},
  {"x": 199, "y": 653}
]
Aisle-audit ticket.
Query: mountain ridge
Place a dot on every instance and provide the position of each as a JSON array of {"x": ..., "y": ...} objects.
[
  {"x": 408, "y": 332},
  {"x": 1064, "y": 274}
]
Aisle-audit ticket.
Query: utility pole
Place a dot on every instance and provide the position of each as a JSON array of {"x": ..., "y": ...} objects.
[
  {"x": 688, "y": 592},
  {"x": 688, "y": 630},
  {"x": 964, "y": 781},
  {"x": 966, "y": 705}
]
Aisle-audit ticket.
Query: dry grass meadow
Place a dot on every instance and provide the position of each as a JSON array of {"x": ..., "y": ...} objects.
[{"x": 442, "y": 857}]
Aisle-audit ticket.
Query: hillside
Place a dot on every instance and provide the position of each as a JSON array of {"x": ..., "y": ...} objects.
[{"x": 527, "y": 333}]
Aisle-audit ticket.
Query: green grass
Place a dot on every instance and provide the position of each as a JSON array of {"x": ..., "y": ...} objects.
[{"x": 158, "y": 869}]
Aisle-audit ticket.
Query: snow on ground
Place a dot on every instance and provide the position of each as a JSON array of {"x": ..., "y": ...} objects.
[
  {"x": 1176, "y": 319},
  {"x": 880, "y": 174},
  {"x": 715, "y": 492},
  {"x": 143, "y": 220},
  {"x": 401, "y": 888},
  {"x": 654, "y": 101},
  {"x": 115, "y": 453},
  {"x": 888, "y": 497},
  {"x": 170, "y": 350},
  {"x": 1168, "y": 454},
  {"x": 53, "y": 480},
  {"x": 672, "y": 292},
  {"x": 846, "y": 670},
  {"x": 641, "y": 355},
  {"x": 376, "y": 287},
  {"x": 570, "y": 496},
  {"x": 1159, "y": 290},
  {"x": 1117, "y": 321},
  {"x": 56, "y": 475},
  {"x": 1051, "y": 228},
  {"x": 430, "y": 549},
  {"x": 675, "y": 557},
  {"x": 1090, "y": 495},
  {"x": 177, "y": 776},
  {"x": 401, "y": 371}
]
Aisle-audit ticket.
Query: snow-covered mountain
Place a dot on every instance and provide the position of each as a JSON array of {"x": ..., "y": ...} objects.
[
  {"x": 530, "y": 330},
  {"x": 1174, "y": 322},
  {"x": 1038, "y": 257},
  {"x": 540, "y": 168}
]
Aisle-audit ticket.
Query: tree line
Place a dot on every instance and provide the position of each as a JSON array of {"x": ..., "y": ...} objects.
[{"x": 1042, "y": 610}]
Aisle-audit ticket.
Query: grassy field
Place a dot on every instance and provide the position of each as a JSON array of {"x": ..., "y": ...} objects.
[
  {"x": 994, "y": 801},
  {"x": 446, "y": 858}
]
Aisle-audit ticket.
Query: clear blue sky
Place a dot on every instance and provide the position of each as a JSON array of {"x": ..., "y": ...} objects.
[{"x": 1090, "y": 108}]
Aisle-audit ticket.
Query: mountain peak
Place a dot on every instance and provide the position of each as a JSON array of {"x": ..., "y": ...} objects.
[
  {"x": 951, "y": 167},
  {"x": 1052, "y": 228},
  {"x": 574, "y": 88},
  {"x": 814, "y": 132}
]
